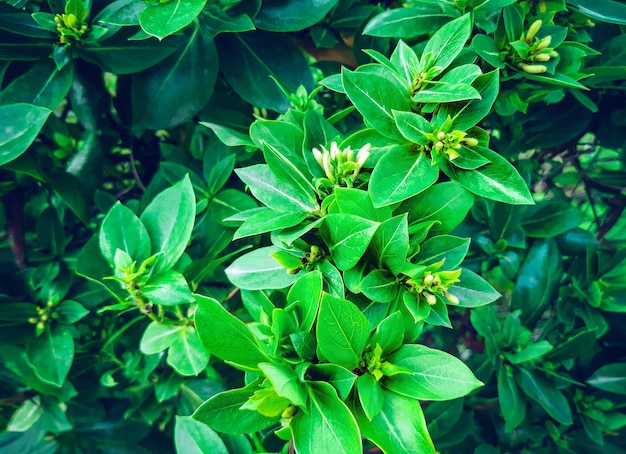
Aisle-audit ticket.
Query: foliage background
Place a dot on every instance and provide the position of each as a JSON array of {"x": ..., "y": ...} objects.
[{"x": 109, "y": 101}]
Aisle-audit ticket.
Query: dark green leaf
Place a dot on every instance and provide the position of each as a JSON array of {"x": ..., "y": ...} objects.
[
  {"x": 43, "y": 85},
  {"x": 545, "y": 394},
  {"x": 52, "y": 354},
  {"x": 610, "y": 378},
  {"x": 304, "y": 296},
  {"x": 122, "y": 229},
  {"x": 186, "y": 354},
  {"x": 16, "y": 136},
  {"x": 512, "y": 405},
  {"x": 292, "y": 16},
  {"x": 473, "y": 290},
  {"x": 174, "y": 90},
  {"x": 449, "y": 40}
]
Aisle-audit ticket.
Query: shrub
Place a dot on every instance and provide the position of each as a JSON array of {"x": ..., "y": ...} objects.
[{"x": 312, "y": 226}]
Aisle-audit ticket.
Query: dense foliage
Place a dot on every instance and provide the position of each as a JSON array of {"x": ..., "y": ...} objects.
[{"x": 235, "y": 226}]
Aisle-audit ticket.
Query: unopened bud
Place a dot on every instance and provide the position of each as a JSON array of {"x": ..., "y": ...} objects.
[
  {"x": 451, "y": 298},
  {"x": 470, "y": 141},
  {"x": 553, "y": 54},
  {"x": 545, "y": 42},
  {"x": 533, "y": 69},
  {"x": 542, "y": 57},
  {"x": 532, "y": 30},
  {"x": 428, "y": 280},
  {"x": 439, "y": 146},
  {"x": 441, "y": 135},
  {"x": 363, "y": 154},
  {"x": 33, "y": 320},
  {"x": 430, "y": 298},
  {"x": 318, "y": 157},
  {"x": 334, "y": 150}
]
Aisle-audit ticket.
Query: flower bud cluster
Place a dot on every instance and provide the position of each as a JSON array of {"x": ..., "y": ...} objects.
[
  {"x": 539, "y": 51},
  {"x": 44, "y": 315},
  {"x": 70, "y": 28},
  {"x": 449, "y": 143},
  {"x": 341, "y": 167},
  {"x": 430, "y": 284}
]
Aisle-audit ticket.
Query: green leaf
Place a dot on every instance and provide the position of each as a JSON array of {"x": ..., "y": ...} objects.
[
  {"x": 359, "y": 203},
  {"x": 413, "y": 127},
  {"x": 278, "y": 194},
  {"x": 446, "y": 93},
  {"x": 448, "y": 42},
  {"x": 486, "y": 49},
  {"x": 467, "y": 115},
  {"x": 328, "y": 426},
  {"x": 72, "y": 192},
  {"x": 450, "y": 248},
  {"x": 186, "y": 354},
  {"x": 550, "y": 218},
  {"x": 292, "y": 16},
  {"x": 408, "y": 22},
  {"x": 285, "y": 382},
  {"x": 286, "y": 167},
  {"x": 339, "y": 377},
  {"x": 43, "y": 85},
  {"x": 223, "y": 413},
  {"x": 531, "y": 352},
  {"x": 127, "y": 57},
  {"x": 122, "y": 229},
  {"x": 347, "y": 237},
  {"x": 164, "y": 19},
  {"x": 399, "y": 174},
  {"x": 169, "y": 220},
  {"x": 610, "y": 378},
  {"x": 389, "y": 333},
  {"x": 342, "y": 331},
  {"x": 390, "y": 243},
  {"x": 538, "y": 279},
  {"x": 447, "y": 203},
  {"x": 375, "y": 97},
  {"x": 497, "y": 181},
  {"x": 158, "y": 337},
  {"x": 194, "y": 437},
  {"x": 225, "y": 336},
  {"x": 304, "y": 296},
  {"x": 19, "y": 126},
  {"x": 602, "y": 10},
  {"x": 511, "y": 404},
  {"x": 258, "y": 270},
  {"x": 399, "y": 427},
  {"x": 70, "y": 312},
  {"x": 380, "y": 286},
  {"x": 268, "y": 220},
  {"x": 545, "y": 394},
  {"x": 51, "y": 354},
  {"x": 174, "y": 90},
  {"x": 430, "y": 374},
  {"x": 473, "y": 290},
  {"x": 370, "y": 395},
  {"x": 248, "y": 60}
]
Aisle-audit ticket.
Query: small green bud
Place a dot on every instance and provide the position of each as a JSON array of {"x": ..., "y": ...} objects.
[
  {"x": 542, "y": 57},
  {"x": 553, "y": 54},
  {"x": 470, "y": 141},
  {"x": 545, "y": 42},
  {"x": 439, "y": 146},
  {"x": 33, "y": 320},
  {"x": 441, "y": 135}
]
